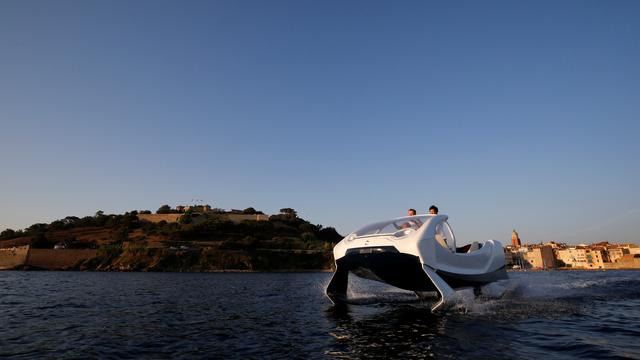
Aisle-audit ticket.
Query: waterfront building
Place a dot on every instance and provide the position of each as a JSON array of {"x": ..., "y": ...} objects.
[
  {"x": 634, "y": 250},
  {"x": 582, "y": 257},
  {"x": 595, "y": 259},
  {"x": 572, "y": 257},
  {"x": 629, "y": 261},
  {"x": 616, "y": 253},
  {"x": 513, "y": 258},
  {"x": 540, "y": 257}
]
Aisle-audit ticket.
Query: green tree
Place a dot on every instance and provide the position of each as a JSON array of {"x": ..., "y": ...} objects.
[
  {"x": 329, "y": 234},
  {"x": 40, "y": 241},
  {"x": 7, "y": 234},
  {"x": 37, "y": 229},
  {"x": 164, "y": 209},
  {"x": 71, "y": 221},
  {"x": 185, "y": 219},
  {"x": 289, "y": 212},
  {"x": 307, "y": 227},
  {"x": 307, "y": 236}
]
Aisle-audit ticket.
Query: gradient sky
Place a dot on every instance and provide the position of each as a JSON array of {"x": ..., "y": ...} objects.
[{"x": 506, "y": 114}]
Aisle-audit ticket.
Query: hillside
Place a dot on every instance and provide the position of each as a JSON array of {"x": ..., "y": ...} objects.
[{"x": 206, "y": 241}]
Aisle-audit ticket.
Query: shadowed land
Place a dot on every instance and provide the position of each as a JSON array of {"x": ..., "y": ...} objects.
[{"x": 200, "y": 240}]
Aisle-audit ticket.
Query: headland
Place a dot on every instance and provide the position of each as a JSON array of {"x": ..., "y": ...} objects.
[{"x": 188, "y": 239}]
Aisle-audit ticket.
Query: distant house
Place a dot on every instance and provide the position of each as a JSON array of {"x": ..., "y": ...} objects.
[
  {"x": 581, "y": 258},
  {"x": 540, "y": 257},
  {"x": 616, "y": 253}
]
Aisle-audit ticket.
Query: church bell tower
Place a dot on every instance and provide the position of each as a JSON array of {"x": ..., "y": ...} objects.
[{"x": 515, "y": 239}]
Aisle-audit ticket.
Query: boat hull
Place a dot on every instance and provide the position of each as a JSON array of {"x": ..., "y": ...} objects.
[
  {"x": 397, "y": 269},
  {"x": 405, "y": 271}
]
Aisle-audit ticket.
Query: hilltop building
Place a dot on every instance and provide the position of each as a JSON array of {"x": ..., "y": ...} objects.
[{"x": 196, "y": 211}]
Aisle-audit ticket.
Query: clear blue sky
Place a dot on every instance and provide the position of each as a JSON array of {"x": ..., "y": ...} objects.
[{"x": 506, "y": 114}]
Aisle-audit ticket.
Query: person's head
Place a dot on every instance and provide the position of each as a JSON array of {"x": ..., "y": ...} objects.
[
  {"x": 411, "y": 212},
  {"x": 433, "y": 210}
]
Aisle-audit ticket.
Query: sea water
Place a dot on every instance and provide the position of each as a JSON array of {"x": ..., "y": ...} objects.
[{"x": 79, "y": 315}]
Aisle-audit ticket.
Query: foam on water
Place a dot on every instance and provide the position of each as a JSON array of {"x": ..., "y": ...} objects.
[{"x": 554, "y": 293}]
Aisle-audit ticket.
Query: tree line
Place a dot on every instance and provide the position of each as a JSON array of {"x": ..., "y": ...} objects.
[{"x": 283, "y": 230}]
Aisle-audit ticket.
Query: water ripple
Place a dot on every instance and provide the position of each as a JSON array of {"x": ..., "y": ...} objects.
[{"x": 563, "y": 315}]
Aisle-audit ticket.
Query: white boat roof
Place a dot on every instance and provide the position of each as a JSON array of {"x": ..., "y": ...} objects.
[{"x": 393, "y": 225}]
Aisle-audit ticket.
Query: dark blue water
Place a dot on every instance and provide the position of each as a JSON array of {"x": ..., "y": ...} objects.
[{"x": 79, "y": 315}]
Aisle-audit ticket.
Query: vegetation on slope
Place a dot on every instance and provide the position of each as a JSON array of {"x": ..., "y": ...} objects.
[{"x": 199, "y": 241}]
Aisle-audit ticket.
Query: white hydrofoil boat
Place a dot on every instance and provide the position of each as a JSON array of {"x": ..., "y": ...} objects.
[{"x": 416, "y": 253}]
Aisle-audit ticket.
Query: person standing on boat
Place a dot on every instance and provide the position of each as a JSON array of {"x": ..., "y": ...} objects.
[
  {"x": 440, "y": 236},
  {"x": 411, "y": 223}
]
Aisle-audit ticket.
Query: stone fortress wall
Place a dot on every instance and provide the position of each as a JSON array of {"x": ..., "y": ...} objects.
[
  {"x": 236, "y": 218},
  {"x": 156, "y": 218},
  {"x": 57, "y": 259},
  {"x": 48, "y": 259},
  {"x": 629, "y": 261},
  {"x": 13, "y": 257}
]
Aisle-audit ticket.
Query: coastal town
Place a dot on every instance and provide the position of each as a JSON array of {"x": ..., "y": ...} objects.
[{"x": 552, "y": 255}]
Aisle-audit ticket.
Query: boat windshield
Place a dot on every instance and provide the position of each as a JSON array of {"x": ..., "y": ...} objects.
[{"x": 391, "y": 226}]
